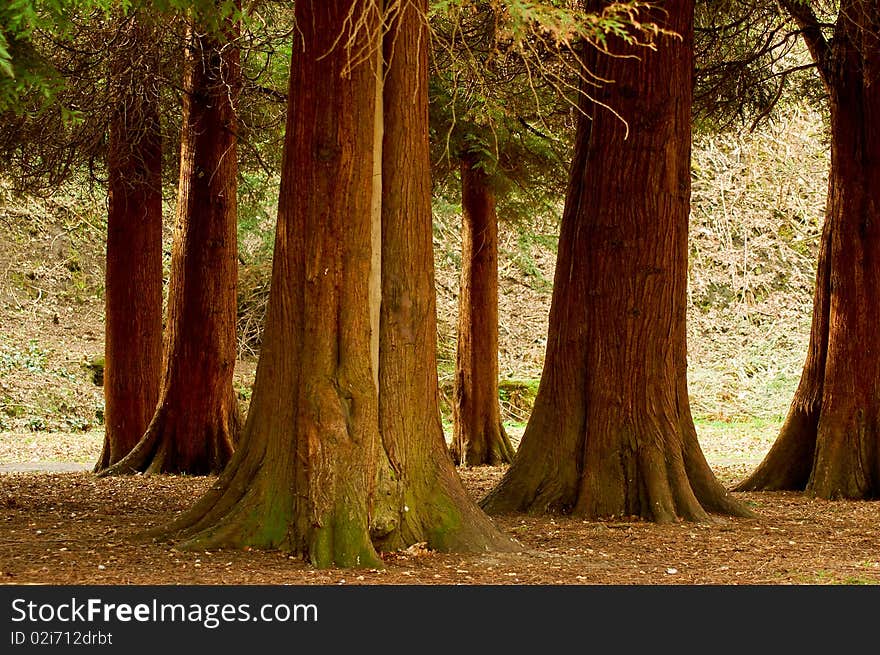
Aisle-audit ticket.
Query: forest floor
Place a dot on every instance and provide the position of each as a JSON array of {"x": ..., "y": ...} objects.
[{"x": 73, "y": 528}]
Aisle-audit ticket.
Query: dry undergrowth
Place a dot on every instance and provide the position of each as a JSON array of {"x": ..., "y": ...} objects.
[{"x": 757, "y": 206}]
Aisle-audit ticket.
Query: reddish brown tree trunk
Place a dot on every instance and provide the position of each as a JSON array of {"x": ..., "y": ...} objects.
[
  {"x": 829, "y": 444},
  {"x": 611, "y": 433},
  {"x": 302, "y": 478},
  {"x": 310, "y": 476},
  {"x": 478, "y": 435},
  {"x": 196, "y": 421},
  {"x": 421, "y": 498},
  {"x": 133, "y": 281}
]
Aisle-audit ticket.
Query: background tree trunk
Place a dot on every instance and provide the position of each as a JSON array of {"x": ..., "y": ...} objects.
[
  {"x": 829, "y": 444},
  {"x": 133, "y": 280},
  {"x": 421, "y": 498},
  {"x": 196, "y": 421},
  {"x": 478, "y": 434},
  {"x": 611, "y": 433}
]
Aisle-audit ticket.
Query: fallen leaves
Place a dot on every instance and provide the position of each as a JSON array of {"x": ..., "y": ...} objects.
[{"x": 87, "y": 529}]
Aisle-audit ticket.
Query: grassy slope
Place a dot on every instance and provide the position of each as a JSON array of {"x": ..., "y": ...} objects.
[
  {"x": 758, "y": 203},
  {"x": 757, "y": 208}
]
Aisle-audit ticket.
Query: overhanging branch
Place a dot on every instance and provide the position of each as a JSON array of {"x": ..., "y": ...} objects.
[{"x": 811, "y": 31}]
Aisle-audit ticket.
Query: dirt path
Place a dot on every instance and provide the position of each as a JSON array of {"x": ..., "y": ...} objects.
[{"x": 44, "y": 467}]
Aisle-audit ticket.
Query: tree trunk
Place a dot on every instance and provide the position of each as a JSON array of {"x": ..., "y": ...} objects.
[
  {"x": 310, "y": 476},
  {"x": 196, "y": 422},
  {"x": 133, "y": 279},
  {"x": 304, "y": 473},
  {"x": 829, "y": 444},
  {"x": 421, "y": 497},
  {"x": 611, "y": 433},
  {"x": 478, "y": 434}
]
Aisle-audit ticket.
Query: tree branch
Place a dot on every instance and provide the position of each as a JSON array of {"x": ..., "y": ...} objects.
[{"x": 811, "y": 31}]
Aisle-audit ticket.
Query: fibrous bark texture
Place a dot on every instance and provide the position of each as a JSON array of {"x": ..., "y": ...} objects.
[
  {"x": 829, "y": 444},
  {"x": 312, "y": 474},
  {"x": 196, "y": 422},
  {"x": 478, "y": 435},
  {"x": 611, "y": 433},
  {"x": 424, "y": 500},
  {"x": 133, "y": 278}
]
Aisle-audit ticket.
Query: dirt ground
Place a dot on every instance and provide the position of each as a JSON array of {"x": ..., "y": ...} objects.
[{"x": 71, "y": 528}]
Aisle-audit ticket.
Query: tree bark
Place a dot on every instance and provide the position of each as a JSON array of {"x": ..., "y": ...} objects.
[
  {"x": 829, "y": 445},
  {"x": 421, "y": 497},
  {"x": 478, "y": 434},
  {"x": 133, "y": 277},
  {"x": 196, "y": 422},
  {"x": 302, "y": 478},
  {"x": 611, "y": 433},
  {"x": 311, "y": 475}
]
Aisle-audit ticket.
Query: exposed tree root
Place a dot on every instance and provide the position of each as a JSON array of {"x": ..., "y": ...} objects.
[
  {"x": 171, "y": 444},
  {"x": 664, "y": 482},
  {"x": 490, "y": 446},
  {"x": 543, "y": 477},
  {"x": 787, "y": 465},
  {"x": 251, "y": 506},
  {"x": 831, "y": 457},
  {"x": 434, "y": 509}
]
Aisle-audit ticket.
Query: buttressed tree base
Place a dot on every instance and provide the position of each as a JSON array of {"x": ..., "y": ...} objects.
[
  {"x": 196, "y": 422},
  {"x": 829, "y": 444},
  {"x": 342, "y": 454},
  {"x": 611, "y": 433}
]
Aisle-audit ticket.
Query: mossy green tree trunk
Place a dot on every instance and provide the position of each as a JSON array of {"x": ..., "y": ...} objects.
[
  {"x": 313, "y": 474},
  {"x": 196, "y": 422},
  {"x": 133, "y": 278},
  {"x": 425, "y": 499},
  {"x": 829, "y": 444},
  {"x": 611, "y": 433},
  {"x": 478, "y": 436}
]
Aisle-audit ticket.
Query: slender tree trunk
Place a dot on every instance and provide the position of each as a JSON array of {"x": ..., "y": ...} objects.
[
  {"x": 829, "y": 444},
  {"x": 611, "y": 433},
  {"x": 133, "y": 280},
  {"x": 196, "y": 422},
  {"x": 421, "y": 498},
  {"x": 311, "y": 476},
  {"x": 478, "y": 434}
]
